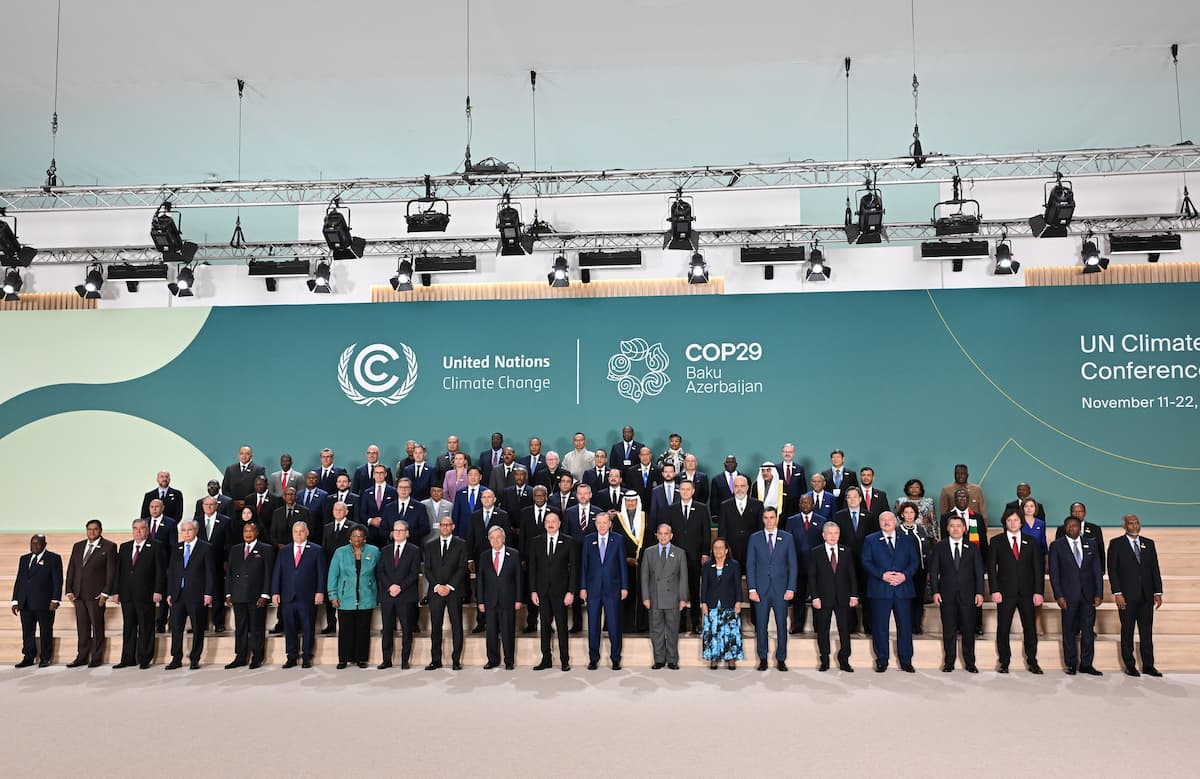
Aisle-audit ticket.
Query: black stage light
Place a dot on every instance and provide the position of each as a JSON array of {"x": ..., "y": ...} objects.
[
  {"x": 273, "y": 269},
  {"x": 508, "y": 222},
  {"x": 1167, "y": 243},
  {"x": 1092, "y": 261},
  {"x": 336, "y": 229},
  {"x": 559, "y": 275},
  {"x": 402, "y": 281},
  {"x": 869, "y": 225},
  {"x": 698, "y": 270},
  {"x": 1005, "y": 264},
  {"x": 12, "y": 285},
  {"x": 185, "y": 281},
  {"x": 319, "y": 282},
  {"x": 133, "y": 275},
  {"x": 963, "y": 220},
  {"x": 92, "y": 283},
  {"x": 429, "y": 216},
  {"x": 681, "y": 216},
  {"x": 12, "y": 253},
  {"x": 1058, "y": 211},
  {"x": 167, "y": 237},
  {"x": 817, "y": 269}
]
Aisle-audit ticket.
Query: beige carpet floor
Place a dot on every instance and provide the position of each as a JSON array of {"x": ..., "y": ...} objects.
[{"x": 638, "y": 722}]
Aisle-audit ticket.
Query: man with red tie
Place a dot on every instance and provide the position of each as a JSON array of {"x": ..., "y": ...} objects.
[
  {"x": 398, "y": 573},
  {"x": 298, "y": 583},
  {"x": 806, "y": 528},
  {"x": 1017, "y": 577}
]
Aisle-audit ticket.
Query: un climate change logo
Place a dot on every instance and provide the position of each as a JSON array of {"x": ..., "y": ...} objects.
[
  {"x": 639, "y": 369},
  {"x": 375, "y": 385}
]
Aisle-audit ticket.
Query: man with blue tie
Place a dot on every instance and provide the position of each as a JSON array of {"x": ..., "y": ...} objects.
[
  {"x": 605, "y": 584},
  {"x": 37, "y": 593},
  {"x": 1137, "y": 586},
  {"x": 890, "y": 559},
  {"x": 771, "y": 571},
  {"x": 665, "y": 593},
  {"x": 1078, "y": 585},
  {"x": 466, "y": 502},
  {"x": 297, "y": 584},
  {"x": 664, "y": 496},
  {"x": 312, "y": 499},
  {"x": 191, "y": 578}
]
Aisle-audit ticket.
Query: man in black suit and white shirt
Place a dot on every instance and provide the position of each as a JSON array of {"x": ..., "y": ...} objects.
[
  {"x": 239, "y": 477},
  {"x": 691, "y": 533},
  {"x": 248, "y": 588},
  {"x": 503, "y": 475},
  {"x": 532, "y": 524},
  {"x": 833, "y": 585},
  {"x": 335, "y": 534},
  {"x": 793, "y": 480},
  {"x": 1137, "y": 587},
  {"x": 341, "y": 494},
  {"x": 328, "y": 471},
  {"x": 172, "y": 498},
  {"x": 612, "y": 497},
  {"x": 1017, "y": 575},
  {"x": 37, "y": 594},
  {"x": 691, "y": 472},
  {"x": 141, "y": 579},
  {"x": 956, "y": 579},
  {"x": 596, "y": 477},
  {"x": 420, "y": 473},
  {"x": 721, "y": 486},
  {"x": 364, "y": 475},
  {"x": 643, "y": 477},
  {"x": 446, "y": 574},
  {"x": 874, "y": 501},
  {"x": 190, "y": 584},
  {"x": 398, "y": 572},
  {"x": 554, "y": 586},
  {"x": 498, "y": 593}
]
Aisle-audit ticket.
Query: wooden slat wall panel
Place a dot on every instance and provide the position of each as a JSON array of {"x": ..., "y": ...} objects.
[
  {"x": 534, "y": 290},
  {"x": 47, "y": 301},
  {"x": 1141, "y": 273}
]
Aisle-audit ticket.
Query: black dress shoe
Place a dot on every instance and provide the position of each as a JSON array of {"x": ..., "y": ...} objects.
[
  {"x": 971, "y": 669},
  {"x": 291, "y": 663},
  {"x": 255, "y": 664},
  {"x": 918, "y": 631},
  {"x": 1089, "y": 670},
  {"x": 795, "y": 632},
  {"x": 478, "y": 629},
  {"x": 616, "y": 665},
  {"x": 762, "y": 665},
  {"x": 947, "y": 669},
  {"x": 712, "y": 666},
  {"x": 908, "y": 668},
  {"x": 657, "y": 666},
  {"x": 219, "y": 629},
  {"x": 593, "y": 665},
  {"x": 143, "y": 666},
  {"x": 566, "y": 666},
  {"x": 529, "y": 629},
  {"x": 508, "y": 666},
  {"x": 423, "y": 602},
  {"x": 880, "y": 668},
  {"x": 1152, "y": 671},
  {"x": 433, "y": 666},
  {"x": 1035, "y": 669},
  {"x": 979, "y": 631},
  {"x": 405, "y": 665},
  {"x": 1003, "y": 669},
  {"x": 576, "y": 630},
  {"x": 171, "y": 666},
  {"x": 95, "y": 664},
  {"x": 25, "y": 662},
  {"x": 1069, "y": 670},
  {"x": 44, "y": 664},
  {"x": 306, "y": 664},
  {"x": 824, "y": 666},
  {"x": 1131, "y": 671},
  {"x": 781, "y": 665},
  {"x": 731, "y": 665},
  {"x": 386, "y": 664},
  {"x": 846, "y": 667},
  {"x": 329, "y": 631},
  {"x": 542, "y": 666},
  {"x": 491, "y": 664},
  {"x": 235, "y": 664},
  {"x": 193, "y": 666},
  {"x": 76, "y": 663},
  {"x": 673, "y": 666},
  {"x": 362, "y": 664},
  {"x": 456, "y": 666},
  {"x": 116, "y": 667},
  {"x": 341, "y": 666}
]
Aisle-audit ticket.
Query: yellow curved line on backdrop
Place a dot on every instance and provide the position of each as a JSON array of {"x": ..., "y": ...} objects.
[{"x": 1043, "y": 422}]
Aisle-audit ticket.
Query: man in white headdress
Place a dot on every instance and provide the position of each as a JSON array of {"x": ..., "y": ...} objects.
[
  {"x": 631, "y": 523},
  {"x": 767, "y": 487}
]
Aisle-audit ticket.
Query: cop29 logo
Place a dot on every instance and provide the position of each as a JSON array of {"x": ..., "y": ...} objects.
[
  {"x": 639, "y": 369},
  {"x": 364, "y": 382}
]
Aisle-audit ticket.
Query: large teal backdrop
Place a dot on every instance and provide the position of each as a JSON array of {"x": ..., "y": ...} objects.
[{"x": 912, "y": 382}]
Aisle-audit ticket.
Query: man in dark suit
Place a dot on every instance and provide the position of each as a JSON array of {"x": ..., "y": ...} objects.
[
  {"x": 483, "y": 519},
  {"x": 975, "y": 534},
  {"x": 1023, "y": 492},
  {"x": 447, "y": 579},
  {"x": 890, "y": 559},
  {"x": 287, "y": 514},
  {"x": 624, "y": 453},
  {"x": 239, "y": 478},
  {"x": 141, "y": 579},
  {"x": 824, "y": 503},
  {"x": 664, "y": 496},
  {"x": 491, "y": 457},
  {"x": 553, "y": 574},
  {"x": 534, "y": 462},
  {"x": 1136, "y": 582},
  {"x": 699, "y": 479},
  {"x": 262, "y": 503},
  {"x": 342, "y": 494},
  {"x": 739, "y": 517},
  {"x": 721, "y": 486},
  {"x": 37, "y": 592},
  {"x": 855, "y": 525},
  {"x": 498, "y": 593},
  {"x": 504, "y": 474},
  {"x": 691, "y": 532},
  {"x": 806, "y": 528},
  {"x": 1017, "y": 575},
  {"x": 793, "y": 481},
  {"x": 532, "y": 525},
  {"x": 1090, "y": 531},
  {"x": 643, "y": 476},
  {"x": 771, "y": 572},
  {"x": 164, "y": 531},
  {"x": 336, "y": 534},
  {"x": 248, "y": 588},
  {"x": 1078, "y": 584},
  {"x": 377, "y": 507},
  {"x": 838, "y": 477},
  {"x": 578, "y": 522},
  {"x": 550, "y": 472},
  {"x": 224, "y": 505},
  {"x": 410, "y": 448},
  {"x": 956, "y": 579},
  {"x": 213, "y": 529},
  {"x": 364, "y": 475},
  {"x": 604, "y": 583},
  {"x": 421, "y": 473},
  {"x": 411, "y": 512},
  {"x": 91, "y": 576},
  {"x": 312, "y": 499},
  {"x": 328, "y": 472},
  {"x": 874, "y": 501},
  {"x": 612, "y": 497},
  {"x": 516, "y": 498},
  {"x": 172, "y": 498},
  {"x": 398, "y": 573},
  {"x": 190, "y": 583},
  {"x": 563, "y": 498},
  {"x": 298, "y": 582},
  {"x": 596, "y": 477},
  {"x": 466, "y": 501},
  {"x": 833, "y": 584}
]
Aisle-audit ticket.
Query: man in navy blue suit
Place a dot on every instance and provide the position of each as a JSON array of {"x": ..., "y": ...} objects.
[
  {"x": 624, "y": 453},
  {"x": 890, "y": 559},
  {"x": 421, "y": 473},
  {"x": 410, "y": 511},
  {"x": 37, "y": 593},
  {"x": 664, "y": 496},
  {"x": 298, "y": 584},
  {"x": 165, "y": 531},
  {"x": 328, "y": 471},
  {"x": 377, "y": 508},
  {"x": 312, "y": 498},
  {"x": 466, "y": 501},
  {"x": 605, "y": 584},
  {"x": 1078, "y": 583},
  {"x": 364, "y": 475},
  {"x": 190, "y": 583},
  {"x": 824, "y": 503},
  {"x": 771, "y": 571}
]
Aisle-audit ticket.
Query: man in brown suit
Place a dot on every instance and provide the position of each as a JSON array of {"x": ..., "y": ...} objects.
[{"x": 91, "y": 578}]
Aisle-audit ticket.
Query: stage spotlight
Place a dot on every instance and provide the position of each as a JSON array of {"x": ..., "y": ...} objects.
[
  {"x": 1005, "y": 264},
  {"x": 1058, "y": 211},
  {"x": 319, "y": 283},
  {"x": 342, "y": 245},
  {"x": 167, "y": 238},
  {"x": 817, "y": 269},
  {"x": 12, "y": 253},
  {"x": 508, "y": 222},
  {"x": 428, "y": 217},
  {"x": 698, "y": 270},
  {"x": 92, "y": 283},
  {"x": 681, "y": 235},
  {"x": 963, "y": 220},
  {"x": 402, "y": 281},
  {"x": 185, "y": 281},
  {"x": 1092, "y": 261},
  {"x": 12, "y": 285},
  {"x": 869, "y": 226},
  {"x": 558, "y": 276}
]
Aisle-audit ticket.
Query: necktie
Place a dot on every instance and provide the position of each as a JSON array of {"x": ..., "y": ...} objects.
[
  {"x": 662, "y": 553},
  {"x": 154, "y": 528},
  {"x": 645, "y": 478},
  {"x": 417, "y": 470},
  {"x": 807, "y": 521},
  {"x": 833, "y": 558},
  {"x": 297, "y": 559},
  {"x": 957, "y": 554},
  {"x": 136, "y": 549},
  {"x": 487, "y": 517},
  {"x": 245, "y": 469},
  {"x": 187, "y": 554},
  {"x": 670, "y": 494},
  {"x": 729, "y": 478},
  {"x": 603, "y": 546},
  {"x": 260, "y": 502},
  {"x": 1016, "y": 548},
  {"x": 541, "y": 514},
  {"x": 496, "y": 459},
  {"x": 32, "y": 560},
  {"x": 87, "y": 552},
  {"x": 496, "y": 561},
  {"x": 892, "y": 542},
  {"x": 771, "y": 542},
  {"x": 550, "y": 548},
  {"x": 1137, "y": 550},
  {"x": 471, "y": 498},
  {"x": 867, "y": 498},
  {"x": 787, "y": 473},
  {"x": 284, "y": 481},
  {"x": 208, "y": 522},
  {"x": 1078, "y": 554},
  {"x": 614, "y": 498},
  {"x": 854, "y": 519},
  {"x": 246, "y": 553},
  {"x": 379, "y": 495},
  {"x": 837, "y": 478},
  {"x": 445, "y": 546},
  {"x": 162, "y": 495},
  {"x": 325, "y": 473},
  {"x": 396, "y": 561}
]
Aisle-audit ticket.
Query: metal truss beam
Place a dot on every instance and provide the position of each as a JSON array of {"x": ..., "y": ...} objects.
[
  {"x": 789, "y": 235},
  {"x": 938, "y": 168}
]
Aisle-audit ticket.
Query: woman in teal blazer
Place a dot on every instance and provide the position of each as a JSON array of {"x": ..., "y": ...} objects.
[{"x": 354, "y": 593}]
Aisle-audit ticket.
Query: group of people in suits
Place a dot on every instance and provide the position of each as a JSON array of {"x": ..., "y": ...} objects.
[{"x": 620, "y": 533}]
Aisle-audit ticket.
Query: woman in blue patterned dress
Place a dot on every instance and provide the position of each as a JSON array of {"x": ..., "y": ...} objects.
[{"x": 721, "y": 603}]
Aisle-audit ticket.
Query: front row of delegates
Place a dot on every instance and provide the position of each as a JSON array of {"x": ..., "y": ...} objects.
[{"x": 362, "y": 577}]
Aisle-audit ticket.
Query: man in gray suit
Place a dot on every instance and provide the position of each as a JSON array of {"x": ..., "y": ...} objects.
[
  {"x": 665, "y": 592},
  {"x": 286, "y": 476}
]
